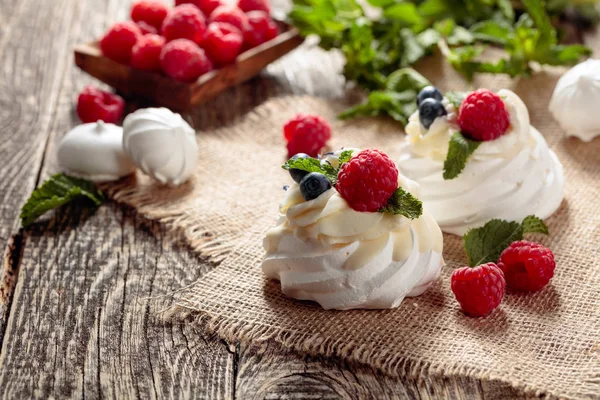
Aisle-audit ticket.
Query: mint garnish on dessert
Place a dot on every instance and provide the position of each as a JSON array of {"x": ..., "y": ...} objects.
[
  {"x": 309, "y": 164},
  {"x": 403, "y": 203},
  {"x": 485, "y": 244},
  {"x": 459, "y": 151},
  {"x": 456, "y": 98},
  {"x": 58, "y": 190}
]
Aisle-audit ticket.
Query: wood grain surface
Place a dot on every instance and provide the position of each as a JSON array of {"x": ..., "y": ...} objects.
[{"x": 82, "y": 292}]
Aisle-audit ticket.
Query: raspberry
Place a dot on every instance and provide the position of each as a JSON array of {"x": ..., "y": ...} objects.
[
  {"x": 261, "y": 28},
  {"x": 119, "y": 40},
  {"x": 255, "y": 5},
  {"x": 94, "y": 104},
  {"x": 206, "y": 6},
  {"x": 184, "y": 22},
  {"x": 231, "y": 15},
  {"x": 478, "y": 290},
  {"x": 368, "y": 180},
  {"x": 150, "y": 12},
  {"x": 222, "y": 42},
  {"x": 183, "y": 60},
  {"x": 482, "y": 116},
  {"x": 306, "y": 134},
  {"x": 146, "y": 28},
  {"x": 146, "y": 53},
  {"x": 527, "y": 266}
]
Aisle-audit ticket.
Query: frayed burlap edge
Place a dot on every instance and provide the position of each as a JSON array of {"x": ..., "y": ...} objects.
[{"x": 392, "y": 364}]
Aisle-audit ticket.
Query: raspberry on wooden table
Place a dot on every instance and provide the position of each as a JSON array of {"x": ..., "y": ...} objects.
[
  {"x": 184, "y": 61},
  {"x": 261, "y": 28},
  {"x": 255, "y": 5},
  {"x": 306, "y": 134},
  {"x": 94, "y": 104},
  {"x": 478, "y": 290},
  {"x": 222, "y": 42},
  {"x": 368, "y": 180},
  {"x": 151, "y": 12},
  {"x": 119, "y": 40},
  {"x": 146, "y": 53},
  {"x": 146, "y": 28},
  {"x": 231, "y": 15},
  {"x": 206, "y": 6},
  {"x": 483, "y": 116},
  {"x": 527, "y": 266},
  {"x": 184, "y": 22}
]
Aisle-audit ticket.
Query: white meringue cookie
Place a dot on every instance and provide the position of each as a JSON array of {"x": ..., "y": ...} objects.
[
  {"x": 510, "y": 178},
  {"x": 323, "y": 250},
  {"x": 161, "y": 144},
  {"x": 575, "y": 100},
  {"x": 94, "y": 151}
]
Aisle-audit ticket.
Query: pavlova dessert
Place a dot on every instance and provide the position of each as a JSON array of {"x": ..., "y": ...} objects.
[
  {"x": 476, "y": 158},
  {"x": 352, "y": 234}
]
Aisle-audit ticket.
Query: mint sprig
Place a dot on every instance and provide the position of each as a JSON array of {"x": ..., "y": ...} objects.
[
  {"x": 456, "y": 98},
  {"x": 485, "y": 244},
  {"x": 403, "y": 203},
  {"x": 310, "y": 164},
  {"x": 58, "y": 190},
  {"x": 459, "y": 151}
]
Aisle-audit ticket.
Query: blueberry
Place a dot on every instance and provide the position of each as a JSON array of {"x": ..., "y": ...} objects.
[
  {"x": 429, "y": 110},
  {"x": 429, "y": 92},
  {"x": 313, "y": 185},
  {"x": 298, "y": 174}
]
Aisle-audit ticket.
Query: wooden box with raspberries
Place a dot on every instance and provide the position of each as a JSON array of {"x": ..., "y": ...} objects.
[{"x": 185, "y": 55}]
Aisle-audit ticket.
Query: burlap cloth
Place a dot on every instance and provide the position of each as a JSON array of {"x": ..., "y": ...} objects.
[{"x": 544, "y": 343}]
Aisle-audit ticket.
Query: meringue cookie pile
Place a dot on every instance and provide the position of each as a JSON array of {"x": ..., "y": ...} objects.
[
  {"x": 509, "y": 178},
  {"x": 323, "y": 250},
  {"x": 575, "y": 100}
]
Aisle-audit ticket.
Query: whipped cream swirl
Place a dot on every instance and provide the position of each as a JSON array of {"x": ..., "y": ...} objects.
[
  {"x": 510, "y": 178},
  {"x": 323, "y": 250}
]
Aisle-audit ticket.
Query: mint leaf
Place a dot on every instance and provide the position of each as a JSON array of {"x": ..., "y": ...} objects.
[
  {"x": 403, "y": 203},
  {"x": 403, "y": 12},
  {"x": 406, "y": 79},
  {"x": 344, "y": 157},
  {"x": 459, "y": 150},
  {"x": 533, "y": 224},
  {"x": 310, "y": 164},
  {"x": 58, "y": 190},
  {"x": 456, "y": 98}
]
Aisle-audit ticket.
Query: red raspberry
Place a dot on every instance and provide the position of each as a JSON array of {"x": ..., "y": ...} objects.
[
  {"x": 368, "y": 180},
  {"x": 206, "y": 6},
  {"x": 146, "y": 28},
  {"x": 222, "y": 42},
  {"x": 231, "y": 15},
  {"x": 119, "y": 40},
  {"x": 184, "y": 22},
  {"x": 527, "y": 266},
  {"x": 150, "y": 12},
  {"x": 94, "y": 104},
  {"x": 255, "y": 5},
  {"x": 479, "y": 290},
  {"x": 306, "y": 134},
  {"x": 482, "y": 116},
  {"x": 146, "y": 53},
  {"x": 261, "y": 28},
  {"x": 183, "y": 60}
]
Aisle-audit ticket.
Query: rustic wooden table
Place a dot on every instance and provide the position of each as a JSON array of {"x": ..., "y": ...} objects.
[{"x": 81, "y": 293}]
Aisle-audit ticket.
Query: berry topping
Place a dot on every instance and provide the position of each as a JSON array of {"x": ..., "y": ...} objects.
[
  {"x": 429, "y": 110},
  {"x": 261, "y": 28},
  {"x": 429, "y": 92},
  {"x": 146, "y": 53},
  {"x": 151, "y": 12},
  {"x": 231, "y": 15},
  {"x": 313, "y": 185},
  {"x": 306, "y": 134},
  {"x": 298, "y": 174},
  {"x": 222, "y": 42},
  {"x": 478, "y": 290},
  {"x": 482, "y": 116},
  {"x": 255, "y": 5},
  {"x": 94, "y": 104},
  {"x": 183, "y": 60},
  {"x": 119, "y": 40},
  {"x": 146, "y": 28},
  {"x": 527, "y": 266},
  {"x": 184, "y": 22},
  {"x": 368, "y": 180},
  {"x": 206, "y": 6}
]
